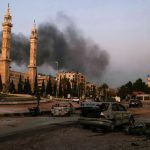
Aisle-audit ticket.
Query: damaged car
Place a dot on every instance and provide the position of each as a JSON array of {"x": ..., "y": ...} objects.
[
  {"x": 62, "y": 109},
  {"x": 106, "y": 115}
]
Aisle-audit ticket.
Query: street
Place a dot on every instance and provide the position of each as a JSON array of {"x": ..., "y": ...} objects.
[{"x": 61, "y": 133}]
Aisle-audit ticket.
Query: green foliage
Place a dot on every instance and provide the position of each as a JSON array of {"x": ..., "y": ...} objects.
[
  {"x": 74, "y": 90},
  {"x": 49, "y": 87},
  {"x": 54, "y": 89},
  {"x": 28, "y": 87},
  {"x": 104, "y": 88},
  {"x": 25, "y": 87},
  {"x": 60, "y": 92},
  {"x": 12, "y": 87},
  {"x": 66, "y": 87},
  {"x": 43, "y": 88},
  {"x": 81, "y": 89},
  {"x": 36, "y": 89},
  {"x": 88, "y": 91},
  {"x": 20, "y": 85},
  {"x": 127, "y": 89}
]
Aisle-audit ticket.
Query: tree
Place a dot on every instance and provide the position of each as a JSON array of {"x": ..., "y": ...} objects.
[
  {"x": 87, "y": 91},
  {"x": 12, "y": 87},
  {"x": 99, "y": 89},
  {"x": 54, "y": 89},
  {"x": 127, "y": 89},
  {"x": 43, "y": 88},
  {"x": 60, "y": 93},
  {"x": 28, "y": 87},
  {"x": 25, "y": 87},
  {"x": 1, "y": 85},
  {"x": 104, "y": 91},
  {"x": 81, "y": 89},
  {"x": 49, "y": 87},
  {"x": 138, "y": 85},
  {"x": 20, "y": 85},
  {"x": 36, "y": 90},
  {"x": 74, "y": 88},
  {"x": 68, "y": 87}
]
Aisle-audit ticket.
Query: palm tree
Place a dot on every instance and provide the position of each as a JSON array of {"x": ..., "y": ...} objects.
[{"x": 104, "y": 91}]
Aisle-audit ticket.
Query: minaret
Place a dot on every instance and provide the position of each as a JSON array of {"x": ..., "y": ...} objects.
[
  {"x": 33, "y": 49},
  {"x": 5, "y": 56}
]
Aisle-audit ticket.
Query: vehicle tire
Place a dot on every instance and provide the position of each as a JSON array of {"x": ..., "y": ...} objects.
[
  {"x": 112, "y": 126},
  {"x": 85, "y": 126},
  {"x": 131, "y": 121}
]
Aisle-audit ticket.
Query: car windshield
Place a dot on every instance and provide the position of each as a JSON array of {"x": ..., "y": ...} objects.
[
  {"x": 134, "y": 100},
  {"x": 94, "y": 112}
]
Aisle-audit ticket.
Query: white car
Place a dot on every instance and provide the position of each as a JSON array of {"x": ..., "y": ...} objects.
[
  {"x": 75, "y": 99},
  {"x": 104, "y": 114}
]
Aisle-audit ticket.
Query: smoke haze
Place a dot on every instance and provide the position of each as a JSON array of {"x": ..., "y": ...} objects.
[{"x": 68, "y": 46}]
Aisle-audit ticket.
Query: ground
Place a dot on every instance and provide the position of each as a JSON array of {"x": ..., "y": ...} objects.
[
  {"x": 74, "y": 138},
  {"x": 67, "y": 136}
]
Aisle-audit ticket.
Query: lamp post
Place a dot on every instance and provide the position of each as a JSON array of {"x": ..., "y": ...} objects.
[{"x": 56, "y": 79}]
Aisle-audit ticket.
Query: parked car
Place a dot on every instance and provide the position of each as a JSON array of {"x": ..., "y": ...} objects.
[
  {"x": 75, "y": 99},
  {"x": 104, "y": 115},
  {"x": 62, "y": 109},
  {"x": 34, "y": 111},
  {"x": 135, "y": 103}
]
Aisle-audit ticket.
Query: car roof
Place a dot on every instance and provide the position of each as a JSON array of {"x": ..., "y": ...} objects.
[{"x": 96, "y": 103}]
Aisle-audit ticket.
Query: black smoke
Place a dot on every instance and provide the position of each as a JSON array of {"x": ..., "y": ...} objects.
[{"x": 68, "y": 46}]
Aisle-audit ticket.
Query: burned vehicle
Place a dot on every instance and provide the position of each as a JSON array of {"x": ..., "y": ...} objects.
[
  {"x": 62, "y": 109},
  {"x": 106, "y": 115}
]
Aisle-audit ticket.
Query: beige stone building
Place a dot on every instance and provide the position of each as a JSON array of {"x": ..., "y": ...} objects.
[
  {"x": 90, "y": 89},
  {"x": 76, "y": 77},
  {"x": 5, "y": 60},
  {"x": 148, "y": 81}
]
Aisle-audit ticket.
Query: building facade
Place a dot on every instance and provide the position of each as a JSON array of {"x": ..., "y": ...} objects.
[
  {"x": 148, "y": 81},
  {"x": 76, "y": 77},
  {"x": 77, "y": 80}
]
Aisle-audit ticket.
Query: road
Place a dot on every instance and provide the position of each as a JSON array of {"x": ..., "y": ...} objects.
[
  {"x": 47, "y": 133},
  {"x": 72, "y": 137}
]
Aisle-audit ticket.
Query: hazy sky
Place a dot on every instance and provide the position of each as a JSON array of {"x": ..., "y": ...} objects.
[{"x": 121, "y": 27}]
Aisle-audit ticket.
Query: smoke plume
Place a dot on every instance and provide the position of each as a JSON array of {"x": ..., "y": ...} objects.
[{"x": 68, "y": 46}]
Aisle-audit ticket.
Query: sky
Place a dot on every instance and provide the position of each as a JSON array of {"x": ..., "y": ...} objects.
[{"x": 121, "y": 27}]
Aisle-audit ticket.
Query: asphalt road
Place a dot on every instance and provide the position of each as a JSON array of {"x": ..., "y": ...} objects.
[
  {"x": 72, "y": 137},
  {"x": 64, "y": 133}
]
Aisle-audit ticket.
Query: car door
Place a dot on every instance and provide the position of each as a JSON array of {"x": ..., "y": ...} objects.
[
  {"x": 116, "y": 114},
  {"x": 125, "y": 114}
]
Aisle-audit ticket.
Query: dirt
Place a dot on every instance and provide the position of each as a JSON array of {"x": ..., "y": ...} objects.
[
  {"x": 74, "y": 138},
  {"x": 77, "y": 138}
]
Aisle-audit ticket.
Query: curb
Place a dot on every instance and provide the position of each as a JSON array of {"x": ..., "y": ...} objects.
[
  {"x": 23, "y": 102},
  {"x": 24, "y": 114}
]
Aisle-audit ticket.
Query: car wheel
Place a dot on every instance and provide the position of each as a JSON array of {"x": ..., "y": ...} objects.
[
  {"x": 112, "y": 126},
  {"x": 131, "y": 121},
  {"x": 85, "y": 126}
]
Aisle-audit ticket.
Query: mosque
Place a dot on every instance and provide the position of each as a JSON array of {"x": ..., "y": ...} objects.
[{"x": 7, "y": 75}]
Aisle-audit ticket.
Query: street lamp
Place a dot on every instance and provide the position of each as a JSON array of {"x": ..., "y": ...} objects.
[{"x": 56, "y": 78}]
